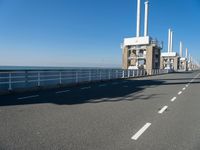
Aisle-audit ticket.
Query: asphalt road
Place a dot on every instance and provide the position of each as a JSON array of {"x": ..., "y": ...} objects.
[{"x": 152, "y": 113}]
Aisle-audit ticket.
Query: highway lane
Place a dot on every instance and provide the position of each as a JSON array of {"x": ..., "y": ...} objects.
[
  {"x": 95, "y": 116},
  {"x": 179, "y": 127}
]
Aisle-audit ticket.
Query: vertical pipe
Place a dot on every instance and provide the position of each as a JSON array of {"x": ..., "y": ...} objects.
[
  {"x": 169, "y": 39},
  {"x": 189, "y": 58},
  {"x": 186, "y": 53},
  {"x": 138, "y": 18},
  {"x": 181, "y": 49},
  {"x": 146, "y": 18},
  {"x": 171, "y": 42}
]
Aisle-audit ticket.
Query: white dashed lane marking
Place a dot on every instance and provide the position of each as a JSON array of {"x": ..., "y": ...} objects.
[
  {"x": 173, "y": 99},
  {"x": 27, "y": 97},
  {"x": 141, "y": 131},
  {"x": 163, "y": 109},
  {"x": 179, "y": 93},
  {"x": 60, "y": 92}
]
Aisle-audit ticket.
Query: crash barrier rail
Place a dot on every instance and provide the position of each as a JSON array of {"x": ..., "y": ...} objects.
[{"x": 12, "y": 80}]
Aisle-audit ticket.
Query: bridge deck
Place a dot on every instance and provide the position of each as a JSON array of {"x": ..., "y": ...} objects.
[{"x": 157, "y": 112}]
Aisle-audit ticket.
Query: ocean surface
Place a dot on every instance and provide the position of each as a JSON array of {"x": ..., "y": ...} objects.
[{"x": 4, "y": 68}]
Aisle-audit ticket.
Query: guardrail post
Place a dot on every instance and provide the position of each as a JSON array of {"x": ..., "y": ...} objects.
[
  {"x": 38, "y": 78},
  {"x": 123, "y": 74},
  {"x": 10, "y": 82},
  {"x": 109, "y": 75},
  {"x": 100, "y": 75},
  {"x": 128, "y": 73},
  {"x": 133, "y": 73},
  {"x": 60, "y": 77},
  {"x": 116, "y": 74},
  {"x": 90, "y": 78},
  {"x": 76, "y": 76},
  {"x": 26, "y": 78},
  {"x": 137, "y": 72}
]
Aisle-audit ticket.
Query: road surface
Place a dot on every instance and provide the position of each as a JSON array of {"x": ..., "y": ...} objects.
[{"x": 154, "y": 113}]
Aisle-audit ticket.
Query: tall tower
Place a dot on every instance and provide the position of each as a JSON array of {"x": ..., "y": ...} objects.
[{"x": 141, "y": 52}]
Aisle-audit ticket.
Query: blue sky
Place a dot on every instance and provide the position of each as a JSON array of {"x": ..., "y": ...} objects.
[{"x": 88, "y": 33}]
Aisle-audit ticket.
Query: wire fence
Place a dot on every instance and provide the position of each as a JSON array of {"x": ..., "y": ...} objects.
[{"x": 12, "y": 80}]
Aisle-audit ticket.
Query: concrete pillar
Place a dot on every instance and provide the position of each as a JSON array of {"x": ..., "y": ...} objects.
[
  {"x": 171, "y": 42},
  {"x": 146, "y": 18},
  {"x": 186, "y": 54},
  {"x": 181, "y": 49},
  {"x": 138, "y": 18}
]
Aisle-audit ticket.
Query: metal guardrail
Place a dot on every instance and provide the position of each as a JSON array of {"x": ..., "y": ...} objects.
[{"x": 11, "y": 80}]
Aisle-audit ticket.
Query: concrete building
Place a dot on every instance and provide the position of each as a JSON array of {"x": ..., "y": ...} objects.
[
  {"x": 141, "y": 52},
  {"x": 183, "y": 62},
  {"x": 170, "y": 60}
]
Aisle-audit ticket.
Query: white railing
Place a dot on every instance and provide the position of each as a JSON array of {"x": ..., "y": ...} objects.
[{"x": 12, "y": 80}]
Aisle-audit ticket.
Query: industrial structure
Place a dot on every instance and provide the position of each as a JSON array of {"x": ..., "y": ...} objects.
[
  {"x": 141, "y": 52},
  {"x": 170, "y": 59},
  {"x": 183, "y": 61}
]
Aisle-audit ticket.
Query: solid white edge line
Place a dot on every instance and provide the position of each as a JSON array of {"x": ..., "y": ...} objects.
[
  {"x": 173, "y": 99},
  {"x": 60, "y": 92},
  {"x": 141, "y": 131},
  {"x": 33, "y": 96},
  {"x": 179, "y": 93},
  {"x": 163, "y": 109}
]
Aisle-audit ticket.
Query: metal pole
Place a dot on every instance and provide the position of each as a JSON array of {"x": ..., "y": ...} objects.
[
  {"x": 138, "y": 18},
  {"x": 171, "y": 43},
  {"x": 38, "y": 78},
  {"x": 146, "y": 18},
  {"x": 100, "y": 75},
  {"x": 76, "y": 76},
  {"x": 10, "y": 82},
  {"x": 60, "y": 77},
  {"x": 109, "y": 75},
  {"x": 90, "y": 76}
]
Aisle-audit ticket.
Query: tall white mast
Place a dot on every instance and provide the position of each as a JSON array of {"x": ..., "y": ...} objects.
[
  {"x": 181, "y": 49},
  {"x": 146, "y": 18},
  {"x": 169, "y": 40},
  {"x": 138, "y": 18}
]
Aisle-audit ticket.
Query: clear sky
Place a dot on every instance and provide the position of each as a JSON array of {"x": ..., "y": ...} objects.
[{"x": 88, "y": 32}]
